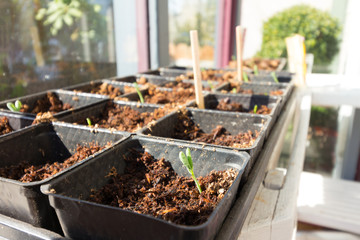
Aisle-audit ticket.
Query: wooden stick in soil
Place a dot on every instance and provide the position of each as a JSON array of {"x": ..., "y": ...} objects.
[
  {"x": 196, "y": 68},
  {"x": 239, "y": 52}
]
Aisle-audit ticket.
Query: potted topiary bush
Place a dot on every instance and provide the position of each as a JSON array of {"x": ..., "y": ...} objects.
[{"x": 320, "y": 29}]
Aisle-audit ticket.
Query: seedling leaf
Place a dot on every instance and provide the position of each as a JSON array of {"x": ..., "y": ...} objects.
[
  {"x": 88, "y": 122},
  {"x": 136, "y": 86},
  {"x": 18, "y": 104},
  {"x": 233, "y": 90},
  {"x": 256, "y": 71},
  {"x": 245, "y": 77},
  {"x": 273, "y": 74},
  {"x": 187, "y": 161},
  {"x": 255, "y": 108},
  {"x": 14, "y": 107},
  {"x": 211, "y": 85},
  {"x": 188, "y": 155}
]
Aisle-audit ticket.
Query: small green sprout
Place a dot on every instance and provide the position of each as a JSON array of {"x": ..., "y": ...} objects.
[
  {"x": 255, "y": 108},
  {"x": 256, "y": 70},
  {"x": 88, "y": 122},
  {"x": 233, "y": 90},
  {"x": 136, "y": 86},
  {"x": 211, "y": 85},
  {"x": 187, "y": 161},
  {"x": 233, "y": 57},
  {"x": 14, "y": 107},
  {"x": 245, "y": 77},
  {"x": 273, "y": 74}
]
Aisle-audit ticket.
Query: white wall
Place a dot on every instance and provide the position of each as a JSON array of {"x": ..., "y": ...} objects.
[{"x": 255, "y": 12}]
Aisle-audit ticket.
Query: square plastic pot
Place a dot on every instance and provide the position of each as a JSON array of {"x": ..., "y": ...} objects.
[
  {"x": 86, "y": 88},
  {"x": 37, "y": 145},
  {"x": 248, "y": 103},
  {"x": 98, "y": 109},
  {"x": 76, "y": 100},
  {"x": 16, "y": 121},
  {"x": 134, "y": 97},
  {"x": 262, "y": 88},
  {"x": 81, "y": 219},
  {"x": 264, "y": 76}
]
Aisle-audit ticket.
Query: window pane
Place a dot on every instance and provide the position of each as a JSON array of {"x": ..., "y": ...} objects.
[
  {"x": 49, "y": 44},
  {"x": 192, "y": 15}
]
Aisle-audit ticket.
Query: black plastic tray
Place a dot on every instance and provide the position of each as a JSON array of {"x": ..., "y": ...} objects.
[
  {"x": 81, "y": 219},
  {"x": 36, "y": 145},
  {"x": 76, "y": 100},
  {"x": 97, "y": 110},
  {"x": 16, "y": 121},
  {"x": 208, "y": 120},
  {"x": 261, "y": 88}
]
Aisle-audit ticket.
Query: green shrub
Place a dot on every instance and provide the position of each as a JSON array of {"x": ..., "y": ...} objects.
[{"x": 321, "y": 32}]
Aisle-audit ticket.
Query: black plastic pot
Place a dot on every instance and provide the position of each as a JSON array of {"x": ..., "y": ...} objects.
[
  {"x": 86, "y": 87},
  {"x": 76, "y": 100},
  {"x": 134, "y": 97},
  {"x": 82, "y": 219},
  {"x": 248, "y": 102},
  {"x": 264, "y": 76},
  {"x": 261, "y": 88},
  {"x": 37, "y": 145},
  {"x": 207, "y": 120},
  {"x": 16, "y": 121},
  {"x": 97, "y": 110}
]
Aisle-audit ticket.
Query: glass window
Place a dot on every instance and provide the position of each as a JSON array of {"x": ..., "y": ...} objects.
[
  {"x": 49, "y": 44},
  {"x": 192, "y": 15}
]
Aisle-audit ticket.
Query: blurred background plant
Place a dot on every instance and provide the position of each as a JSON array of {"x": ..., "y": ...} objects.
[{"x": 321, "y": 32}]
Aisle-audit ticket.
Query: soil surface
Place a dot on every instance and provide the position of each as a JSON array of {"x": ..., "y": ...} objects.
[
  {"x": 226, "y": 105},
  {"x": 124, "y": 118},
  {"x": 179, "y": 96},
  {"x": 49, "y": 103},
  {"x": 151, "y": 186},
  {"x": 25, "y": 172},
  {"x": 108, "y": 90},
  {"x": 186, "y": 129},
  {"x": 5, "y": 126}
]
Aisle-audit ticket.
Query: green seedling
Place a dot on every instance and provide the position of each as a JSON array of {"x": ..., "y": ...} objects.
[
  {"x": 188, "y": 163},
  {"x": 233, "y": 57},
  {"x": 233, "y": 90},
  {"x": 14, "y": 107},
  {"x": 245, "y": 77},
  {"x": 136, "y": 86},
  {"x": 273, "y": 74},
  {"x": 211, "y": 85},
  {"x": 88, "y": 122},
  {"x": 256, "y": 70},
  {"x": 255, "y": 108}
]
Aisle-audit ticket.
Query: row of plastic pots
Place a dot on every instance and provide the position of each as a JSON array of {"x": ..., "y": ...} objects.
[{"x": 65, "y": 190}]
